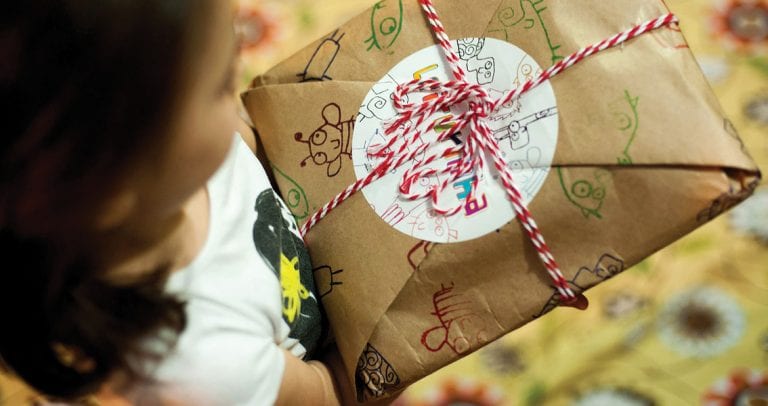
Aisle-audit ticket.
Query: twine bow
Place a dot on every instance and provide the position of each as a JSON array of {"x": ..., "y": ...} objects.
[{"x": 413, "y": 121}]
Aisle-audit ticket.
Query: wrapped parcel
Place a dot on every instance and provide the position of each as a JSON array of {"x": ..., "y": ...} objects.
[{"x": 616, "y": 158}]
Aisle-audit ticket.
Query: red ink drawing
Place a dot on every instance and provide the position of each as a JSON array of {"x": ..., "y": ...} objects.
[
  {"x": 428, "y": 219},
  {"x": 421, "y": 250},
  {"x": 460, "y": 327},
  {"x": 329, "y": 142},
  {"x": 670, "y": 37},
  {"x": 393, "y": 215}
]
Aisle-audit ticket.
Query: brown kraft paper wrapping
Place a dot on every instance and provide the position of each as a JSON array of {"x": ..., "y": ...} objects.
[{"x": 638, "y": 126}]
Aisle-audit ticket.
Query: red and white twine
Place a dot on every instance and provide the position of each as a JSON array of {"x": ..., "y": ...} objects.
[{"x": 412, "y": 122}]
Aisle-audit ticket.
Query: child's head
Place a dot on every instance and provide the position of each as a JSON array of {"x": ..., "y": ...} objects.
[{"x": 115, "y": 112}]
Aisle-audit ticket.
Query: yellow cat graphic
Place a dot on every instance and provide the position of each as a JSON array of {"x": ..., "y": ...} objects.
[{"x": 293, "y": 290}]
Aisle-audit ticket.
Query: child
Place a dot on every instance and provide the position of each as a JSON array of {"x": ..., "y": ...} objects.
[{"x": 152, "y": 261}]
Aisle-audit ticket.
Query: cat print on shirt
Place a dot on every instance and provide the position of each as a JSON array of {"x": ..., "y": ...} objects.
[{"x": 276, "y": 238}]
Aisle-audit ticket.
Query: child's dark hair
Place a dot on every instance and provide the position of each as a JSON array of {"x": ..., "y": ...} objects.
[{"x": 87, "y": 88}]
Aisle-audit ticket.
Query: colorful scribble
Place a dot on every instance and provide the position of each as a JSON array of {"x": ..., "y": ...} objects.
[
  {"x": 386, "y": 25},
  {"x": 322, "y": 59},
  {"x": 294, "y": 197},
  {"x": 329, "y": 142},
  {"x": 460, "y": 328},
  {"x": 293, "y": 290},
  {"x": 607, "y": 267},
  {"x": 627, "y": 118},
  {"x": 374, "y": 375},
  {"x": 586, "y": 194},
  {"x": 473, "y": 203},
  {"x": 326, "y": 278},
  {"x": 526, "y": 16}
]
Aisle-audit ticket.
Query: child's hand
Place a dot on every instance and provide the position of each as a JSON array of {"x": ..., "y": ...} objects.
[{"x": 318, "y": 383}]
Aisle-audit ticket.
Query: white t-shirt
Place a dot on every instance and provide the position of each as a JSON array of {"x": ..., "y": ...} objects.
[{"x": 248, "y": 292}]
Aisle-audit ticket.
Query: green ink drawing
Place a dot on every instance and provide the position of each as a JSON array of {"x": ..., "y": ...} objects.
[
  {"x": 586, "y": 194},
  {"x": 512, "y": 17},
  {"x": 628, "y": 121},
  {"x": 386, "y": 24},
  {"x": 294, "y": 197}
]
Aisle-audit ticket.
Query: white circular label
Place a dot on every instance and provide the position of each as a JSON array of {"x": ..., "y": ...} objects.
[{"x": 526, "y": 130}]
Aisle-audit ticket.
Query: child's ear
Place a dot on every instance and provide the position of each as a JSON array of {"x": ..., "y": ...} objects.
[{"x": 116, "y": 210}]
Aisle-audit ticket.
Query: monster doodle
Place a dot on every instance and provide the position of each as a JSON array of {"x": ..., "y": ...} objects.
[
  {"x": 460, "y": 328},
  {"x": 277, "y": 240},
  {"x": 528, "y": 13},
  {"x": 295, "y": 197},
  {"x": 374, "y": 375},
  {"x": 326, "y": 273},
  {"x": 628, "y": 121},
  {"x": 469, "y": 52},
  {"x": 517, "y": 130},
  {"x": 587, "y": 195},
  {"x": 607, "y": 267},
  {"x": 329, "y": 142},
  {"x": 322, "y": 59},
  {"x": 386, "y": 24}
]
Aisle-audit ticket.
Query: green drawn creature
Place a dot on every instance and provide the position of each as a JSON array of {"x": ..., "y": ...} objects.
[
  {"x": 294, "y": 197},
  {"x": 586, "y": 194},
  {"x": 527, "y": 15},
  {"x": 386, "y": 24},
  {"x": 628, "y": 121}
]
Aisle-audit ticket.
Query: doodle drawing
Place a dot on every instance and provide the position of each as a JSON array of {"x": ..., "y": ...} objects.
[
  {"x": 326, "y": 273},
  {"x": 529, "y": 13},
  {"x": 517, "y": 130},
  {"x": 380, "y": 106},
  {"x": 421, "y": 249},
  {"x": 625, "y": 113},
  {"x": 526, "y": 171},
  {"x": 329, "y": 142},
  {"x": 295, "y": 197},
  {"x": 428, "y": 219},
  {"x": 374, "y": 375},
  {"x": 587, "y": 195},
  {"x": 386, "y": 24},
  {"x": 469, "y": 51},
  {"x": 459, "y": 328},
  {"x": 322, "y": 59},
  {"x": 607, "y": 267}
]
